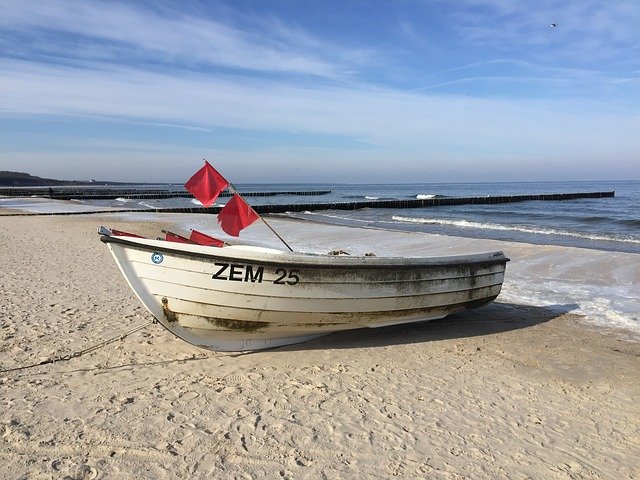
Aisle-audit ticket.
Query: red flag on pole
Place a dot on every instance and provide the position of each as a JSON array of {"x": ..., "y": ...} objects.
[
  {"x": 206, "y": 184},
  {"x": 236, "y": 215},
  {"x": 204, "y": 239},
  {"x": 174, "y": 237}
]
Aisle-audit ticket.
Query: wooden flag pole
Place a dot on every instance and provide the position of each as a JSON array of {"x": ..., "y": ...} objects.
[
  {"x": 234, "y": 190},
  {"x": 275, "y": 233}
]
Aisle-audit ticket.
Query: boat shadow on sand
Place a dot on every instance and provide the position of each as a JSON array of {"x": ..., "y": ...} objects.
[
  {"x": 487, "y": 320},
  {"x": 491, "y": 319}
]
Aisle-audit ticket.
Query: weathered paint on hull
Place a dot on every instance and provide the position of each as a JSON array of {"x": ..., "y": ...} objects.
[{"x": 243, "y": 298}]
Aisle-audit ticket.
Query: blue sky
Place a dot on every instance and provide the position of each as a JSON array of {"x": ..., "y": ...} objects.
[{"x": 327, "y": 91}]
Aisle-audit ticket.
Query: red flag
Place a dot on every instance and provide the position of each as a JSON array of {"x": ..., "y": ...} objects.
[
  {"x": 236, "y": 215},
  {"x": 174, "y": 237},
  {"x": 206, "y": 184},
  {"x": 204, "y": 239}
]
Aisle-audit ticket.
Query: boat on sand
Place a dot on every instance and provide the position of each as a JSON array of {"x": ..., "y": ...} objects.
[{"x": 243, "y": 297}]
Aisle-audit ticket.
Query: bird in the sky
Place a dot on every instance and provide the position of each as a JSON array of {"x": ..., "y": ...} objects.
[{"x": 554, "y": 24}]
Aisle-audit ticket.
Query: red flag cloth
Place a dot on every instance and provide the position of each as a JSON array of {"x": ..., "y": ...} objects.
[
  {"x": 174, "y": 237},
  {"x": 204, "y": 239},
  {"x": 206, "y": 184},
  {"x": 236, "y": 215}
]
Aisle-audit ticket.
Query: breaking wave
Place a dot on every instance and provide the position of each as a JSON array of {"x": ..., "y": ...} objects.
[
  {"x": 514, "y": 228},
  {"x": 366, "y": 197}
]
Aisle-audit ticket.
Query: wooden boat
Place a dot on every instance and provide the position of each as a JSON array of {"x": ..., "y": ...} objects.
[{"x": 243, "y": 297}]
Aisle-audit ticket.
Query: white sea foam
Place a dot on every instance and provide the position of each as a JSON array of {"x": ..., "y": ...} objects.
[
  {"x": 424, "y": 196},
  {"x": 611, "y": 306},
  {"x": 371, "y": 198},
  {"x": 145, "y": 204},
  {"x": 337, "y": 217},
  {"x": 45, "y": 205},
  {"x": 123, "y": 200},
  {"x": 514, "y": 228},
  {"x": 197, "y": 202}
]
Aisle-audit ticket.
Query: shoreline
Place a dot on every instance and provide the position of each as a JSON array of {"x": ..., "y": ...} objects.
[
  {"x": 507, "y": 390},
  {"x": 530, "y": 241}
]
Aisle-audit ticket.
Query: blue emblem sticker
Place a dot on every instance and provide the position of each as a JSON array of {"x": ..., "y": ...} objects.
[{"x": 157, "y": 257}]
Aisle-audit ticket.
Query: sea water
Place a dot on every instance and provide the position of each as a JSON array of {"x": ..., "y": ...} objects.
[{"x": 603, "y": 224}]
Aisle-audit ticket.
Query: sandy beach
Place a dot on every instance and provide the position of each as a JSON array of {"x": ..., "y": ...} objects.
[{"x": 513, "y": 390}]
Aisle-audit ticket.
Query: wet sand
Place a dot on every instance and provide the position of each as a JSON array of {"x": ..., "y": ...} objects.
[{"x": 510, "y": 390}]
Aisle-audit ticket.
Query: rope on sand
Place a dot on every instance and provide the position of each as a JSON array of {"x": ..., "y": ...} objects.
[{"x": 81, "y": 352}]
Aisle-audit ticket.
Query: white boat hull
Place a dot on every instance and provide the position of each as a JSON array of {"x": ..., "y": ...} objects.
[{"x": 247, "y": 298}]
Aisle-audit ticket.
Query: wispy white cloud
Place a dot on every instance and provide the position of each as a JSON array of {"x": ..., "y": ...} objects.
[
  {"x": 121, "y": 32},
  {"x": 382, "y": 118}
]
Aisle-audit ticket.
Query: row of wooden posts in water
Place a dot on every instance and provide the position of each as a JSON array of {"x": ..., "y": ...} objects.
[
  {"x": 71, "y": 193},
  {"x": 404, "y": 203}
]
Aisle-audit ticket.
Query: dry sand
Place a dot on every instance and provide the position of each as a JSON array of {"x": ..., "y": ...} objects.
[{"x": 505, "y": 391}]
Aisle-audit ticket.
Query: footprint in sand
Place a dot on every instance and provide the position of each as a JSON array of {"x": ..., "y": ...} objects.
[
  {"x": 68, "y": 469},
  {"x": 184, "y": 398},
  {"x": 177, "y": 418}
]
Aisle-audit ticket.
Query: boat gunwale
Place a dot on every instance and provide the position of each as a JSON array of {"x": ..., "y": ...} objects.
[
  {"x": 304, "y": 282},
  {"x": 301, "y": 260}
]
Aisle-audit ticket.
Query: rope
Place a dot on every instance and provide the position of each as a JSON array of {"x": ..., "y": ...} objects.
[{"x": 80, "y": 352}]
